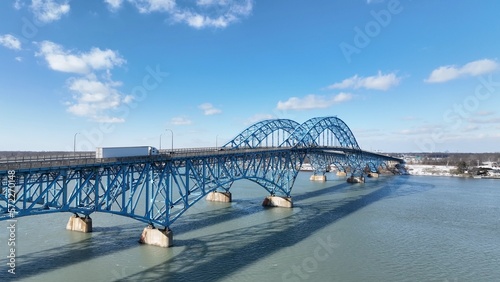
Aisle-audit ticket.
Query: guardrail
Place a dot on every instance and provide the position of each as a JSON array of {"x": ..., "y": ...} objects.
[
  {"x": 88, "y": 158},
  {"x": 64, "y": 159},
  {"x": 49, "y": 156}
]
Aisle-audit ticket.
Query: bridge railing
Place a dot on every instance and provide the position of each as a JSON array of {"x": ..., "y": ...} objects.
[{"x": 49, "y": 156}]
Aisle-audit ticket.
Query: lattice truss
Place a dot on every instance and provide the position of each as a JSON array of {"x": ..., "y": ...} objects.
[{"x": 160, "y": 190}]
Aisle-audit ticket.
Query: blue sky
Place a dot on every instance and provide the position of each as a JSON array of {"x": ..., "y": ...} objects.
[{"x": 406, "y": 76}]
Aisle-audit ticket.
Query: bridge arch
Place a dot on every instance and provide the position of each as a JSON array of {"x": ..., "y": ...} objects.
[
  {"x": 308, "y": 133},
  {"x": 254, "y": 135}
]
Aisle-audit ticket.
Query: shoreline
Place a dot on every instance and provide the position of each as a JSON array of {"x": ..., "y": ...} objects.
[{"x": 442, "y": 170}]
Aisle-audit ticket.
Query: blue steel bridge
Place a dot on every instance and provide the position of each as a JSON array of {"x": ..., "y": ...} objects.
[{"x": 158, "y": 189}]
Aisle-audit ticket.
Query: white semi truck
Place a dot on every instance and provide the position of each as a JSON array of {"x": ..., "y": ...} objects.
[{"x": 120, "y": 152}]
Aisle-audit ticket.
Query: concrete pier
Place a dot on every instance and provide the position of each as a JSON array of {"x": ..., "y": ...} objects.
[
  {"x": 276, "y": 201},
  {"x": 341, "y": 173},
  {"x": 157, "y": 237},
  {"x": 373, "y": 174},
  {"x": 215, "y": 196},
  {"x": 356, "y": 179},
  {"x": 317, "y": 177},
  {"x": 80, "y": 224}
]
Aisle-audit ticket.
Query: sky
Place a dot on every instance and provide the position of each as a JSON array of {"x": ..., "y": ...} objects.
[{"x": 405, "y": 76}]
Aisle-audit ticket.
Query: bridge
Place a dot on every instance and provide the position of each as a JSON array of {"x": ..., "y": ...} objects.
[{"x": 158, "y": 189}]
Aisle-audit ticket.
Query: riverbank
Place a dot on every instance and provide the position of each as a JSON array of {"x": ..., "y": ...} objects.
[{"x": 442, "y": 170}]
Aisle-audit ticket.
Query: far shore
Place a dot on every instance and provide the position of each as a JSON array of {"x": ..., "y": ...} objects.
[{"x": 442, "y": 170}]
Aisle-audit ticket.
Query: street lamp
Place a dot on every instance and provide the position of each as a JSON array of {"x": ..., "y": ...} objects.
[
  {"x": 216, "y": 138},
  {"x": 172, "y": 141},
  {"x": 74, "y": 142},
  {"x": 160, "y": 140}
]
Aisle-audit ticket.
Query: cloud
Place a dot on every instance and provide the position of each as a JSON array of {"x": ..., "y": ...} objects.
[
  {"x": 475, "y": 68},
  {"x": 378, "y": 82},
  {"x": 492, "y": 120},
  {"x": 62, "y": 60},
  {"x": 18, "y": 4},
  {"x": 10, "y": 41},
  {"x": 180, "y": 121},
  {"x": 49, "y": 10},
  {"x": 423, "y": 129},
  {"x": 313, "y": 102},
  {"x": 114, "y": 4},
  {"x": 93, "y": 98},
  {"x": 258, "y": 117},
  {"x": 148, "y": 6},
  {"x": 209, "y": 109},
  {"x": 201, "y": 14}
]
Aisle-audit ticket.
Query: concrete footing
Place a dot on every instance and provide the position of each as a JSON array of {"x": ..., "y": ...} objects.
[
  {"x": 356, "y": 179},
  {"x": 341, "y": 173},
  {"x": 79, "y": 223},
  {"x": 316, "y": 177},
  {"x": 157, "y": 237},
  {"x": 373, "y": 174},
  {"x": 215, "y": 196},
  {"x": 276, "y": 201}
]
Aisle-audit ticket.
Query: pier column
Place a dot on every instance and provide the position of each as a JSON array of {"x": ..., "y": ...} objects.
[
  {"x": 373, "y": 174},
  {"x": 356, "y": 179},
  {"x": 215, "y": 196},
  {"x": 156, "y": 237},
  {"x": 80, "y": 223},
  {"x": 276, "y": 201},
  {"x": 316, "y": 177},
  {"x": 341, "y": 173}
]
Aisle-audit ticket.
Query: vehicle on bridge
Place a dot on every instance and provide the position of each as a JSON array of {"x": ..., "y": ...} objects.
[{"x": 118, "y": 152}]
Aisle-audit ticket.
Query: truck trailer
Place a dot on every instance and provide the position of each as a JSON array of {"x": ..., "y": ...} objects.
[{"x": 120, "y": 152}]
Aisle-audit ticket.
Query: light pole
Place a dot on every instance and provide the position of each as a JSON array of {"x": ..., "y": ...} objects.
[
  {"x": 216, "y": 137},
  {"x": 172, "y": 141},
  {"x": 160, "y": 140},
  {"x": 74, "y": 142}
]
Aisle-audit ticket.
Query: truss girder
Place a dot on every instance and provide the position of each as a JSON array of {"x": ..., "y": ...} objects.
[
  {"x": 155, "y": 191},
  {"x": 159, "y": 190}
]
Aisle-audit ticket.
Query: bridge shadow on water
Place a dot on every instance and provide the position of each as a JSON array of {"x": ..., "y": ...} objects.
[{"x": 215, "y": 254}]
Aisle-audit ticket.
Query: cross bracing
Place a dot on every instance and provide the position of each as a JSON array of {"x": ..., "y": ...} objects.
[{"x": 159, "y": 189}]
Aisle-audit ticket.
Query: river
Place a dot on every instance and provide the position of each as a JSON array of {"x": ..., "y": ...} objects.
[{"x": 394, "y": 228}]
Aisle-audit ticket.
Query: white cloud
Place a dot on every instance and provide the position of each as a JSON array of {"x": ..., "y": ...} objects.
[
  {"x": 18, "y": 4},
  {"x": 93, "y": 98},
  {"x": 259, "y": 117},
  {"x": 76, "y": 62},
  {"x": 49, "y": 10},
  {"x": 378, "y": 82},
  {"x": 493, "y": 120},
  {"x": 10, "y": 41},
  {"x": 214, "y": 13},
  {"x": 313, "y": 102},
  {"x": 475, "y": 68},
  {"x": 19, "y": 59},
  {"x": 203, "y": 14},
  {"x": 180, "y": 121},
  {"x": 114, "y": 4},
  {"x": 148, "y": 6},
  {"x": 209, "y": 109}
]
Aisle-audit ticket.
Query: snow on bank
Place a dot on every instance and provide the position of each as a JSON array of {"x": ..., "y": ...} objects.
[{"x": 436, "y": 170}]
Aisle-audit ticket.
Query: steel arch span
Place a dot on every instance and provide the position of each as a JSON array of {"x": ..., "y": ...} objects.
[
  {"x": 255, "y": 134},
  {"x": 322, "y": 131},
  {"x": 159, "y": 189}
]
